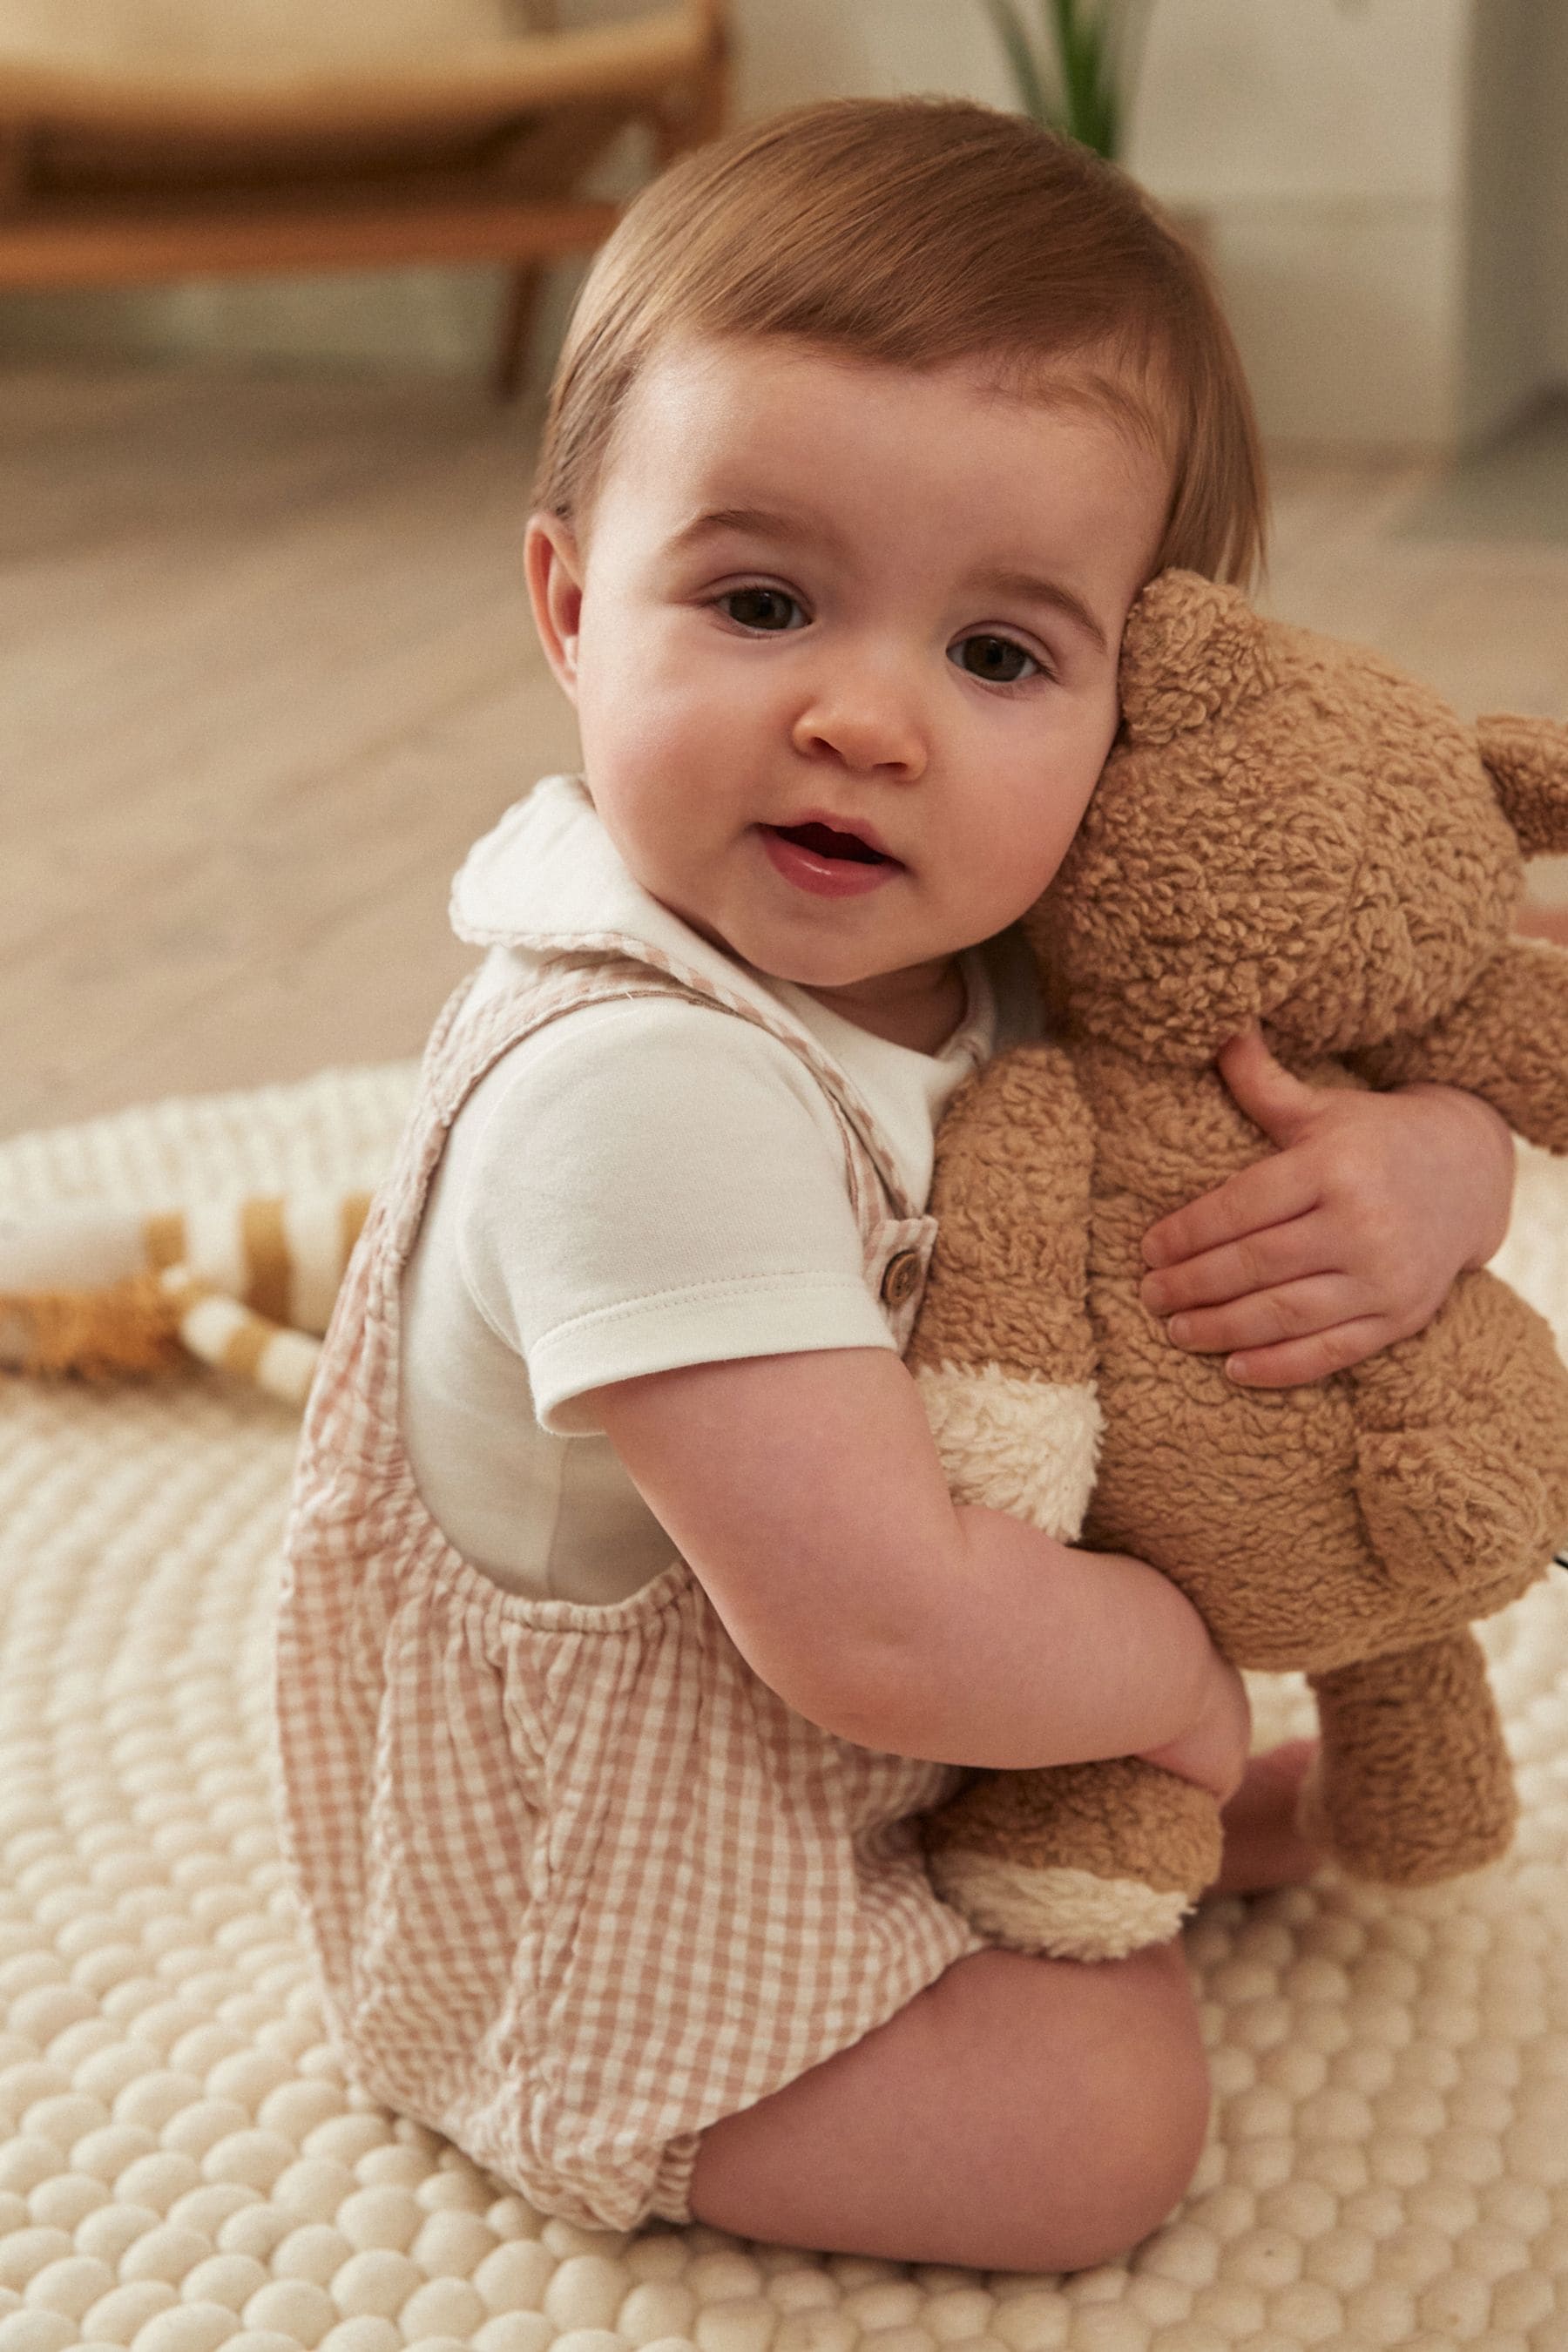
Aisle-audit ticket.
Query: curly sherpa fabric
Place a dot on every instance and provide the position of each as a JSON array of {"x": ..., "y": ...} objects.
[{"x": 181, "y": 2166}]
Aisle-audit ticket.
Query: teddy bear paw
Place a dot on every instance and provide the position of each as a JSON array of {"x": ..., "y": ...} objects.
[
  {"x": 1084, "y": 1861},
  {"x": 1055, "y": 1910}
]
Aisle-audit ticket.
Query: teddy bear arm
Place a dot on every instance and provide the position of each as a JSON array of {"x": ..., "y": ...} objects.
[
  {"x": 1084, "y": 1861},
  {"x": 1507, "y": 1043},
  {"x": 1003, "y": 1350}
]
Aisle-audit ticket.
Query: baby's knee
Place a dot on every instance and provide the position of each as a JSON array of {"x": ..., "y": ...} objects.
[
  {"x": 1147, "y": 2115},
  {"x": 1116, "y": 2078}
]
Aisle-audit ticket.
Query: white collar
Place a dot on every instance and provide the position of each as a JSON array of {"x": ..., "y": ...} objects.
[{"x": 549, "y": 879}]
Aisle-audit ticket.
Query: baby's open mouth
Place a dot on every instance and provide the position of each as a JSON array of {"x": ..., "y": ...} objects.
[{"x": 825, "y": 841}]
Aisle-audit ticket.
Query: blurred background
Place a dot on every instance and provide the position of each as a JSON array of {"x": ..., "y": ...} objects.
[{"x": 265, "y": 664}]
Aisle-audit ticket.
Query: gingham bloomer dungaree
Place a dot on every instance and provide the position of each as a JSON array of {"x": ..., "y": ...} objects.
[{"x": 578, "y": 1883}]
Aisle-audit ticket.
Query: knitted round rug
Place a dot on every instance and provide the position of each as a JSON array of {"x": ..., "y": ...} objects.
[{"x": 182, "y": 2165}]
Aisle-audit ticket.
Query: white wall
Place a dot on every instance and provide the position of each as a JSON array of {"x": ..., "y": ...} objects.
[
  {"x": 1335, "y": 146},
  {"x": 1325, "y": 141},
  {"x": 790, "y": 54}
]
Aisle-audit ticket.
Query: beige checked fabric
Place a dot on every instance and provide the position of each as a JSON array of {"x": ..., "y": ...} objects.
[{"x": 577, "y": 1882}]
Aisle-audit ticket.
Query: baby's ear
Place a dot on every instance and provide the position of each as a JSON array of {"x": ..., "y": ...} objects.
[
  {"x": 1528, "y": 761},
  {"x": 1191, "y": 650}
]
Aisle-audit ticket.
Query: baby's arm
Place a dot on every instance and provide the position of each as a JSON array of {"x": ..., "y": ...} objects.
[
  {"x": 807, "y": 1493},
  {"x": 1344, "y": 1239}
]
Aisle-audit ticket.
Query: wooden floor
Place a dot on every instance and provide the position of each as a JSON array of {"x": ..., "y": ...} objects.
[{"x": 266, "y": 671}]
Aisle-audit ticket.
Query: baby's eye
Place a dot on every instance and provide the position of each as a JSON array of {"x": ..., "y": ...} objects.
[
  {"x": 996, "y": 659},
  {"x": 762, "y": 608}
]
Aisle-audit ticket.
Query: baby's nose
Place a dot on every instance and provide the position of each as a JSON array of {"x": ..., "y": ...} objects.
[{"x": 868, "y": 722}]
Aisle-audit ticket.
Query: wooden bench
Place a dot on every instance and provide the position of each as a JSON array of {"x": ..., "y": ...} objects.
[{"x": 110, "y": 178}]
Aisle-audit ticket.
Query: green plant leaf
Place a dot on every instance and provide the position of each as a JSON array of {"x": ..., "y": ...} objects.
[
  {"x": 1010, "y": 32},
  {"x": 1082, "y": 49},
  {"x": 1095, "y": 47}
]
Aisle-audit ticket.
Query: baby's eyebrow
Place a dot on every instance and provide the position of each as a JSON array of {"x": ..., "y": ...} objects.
[
  {"x": 756, "y": 522},
  {"x": 1032, "y": 589}
]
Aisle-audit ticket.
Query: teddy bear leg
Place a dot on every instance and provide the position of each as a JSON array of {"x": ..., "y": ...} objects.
[
  {"x": 1413, "y": 1783},
  {"x": 1084, "y": 1861}
]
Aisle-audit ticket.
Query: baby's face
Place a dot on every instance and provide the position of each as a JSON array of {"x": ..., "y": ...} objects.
[{"x": 843, "y": 644}]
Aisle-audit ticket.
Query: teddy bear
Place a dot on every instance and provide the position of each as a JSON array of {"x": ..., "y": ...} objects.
[{"x": 1287, "y": 832}]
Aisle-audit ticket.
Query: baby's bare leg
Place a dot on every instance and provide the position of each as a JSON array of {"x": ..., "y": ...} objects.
[{"x": 1019, "y": 2113}]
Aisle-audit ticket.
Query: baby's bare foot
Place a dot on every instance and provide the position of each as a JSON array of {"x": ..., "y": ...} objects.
[{"x": 1263, "y": 1846}]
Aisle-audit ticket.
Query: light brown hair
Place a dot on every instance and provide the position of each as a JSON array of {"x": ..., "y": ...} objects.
[{"x": 918, "y": 231}]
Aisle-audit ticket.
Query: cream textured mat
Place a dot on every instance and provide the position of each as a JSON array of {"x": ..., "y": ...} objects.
[{"x": 182, "y": 2167}]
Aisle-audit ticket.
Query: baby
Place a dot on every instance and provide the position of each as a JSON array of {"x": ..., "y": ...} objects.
[{"x": 628, "y": 1625}]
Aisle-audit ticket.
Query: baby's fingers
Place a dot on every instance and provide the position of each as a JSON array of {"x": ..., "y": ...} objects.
[
  {"x": 1298, "y": 1362},
  {"x": 1270, "y": 1192},
  {"x": 1267, "y": 1318},
  {"x": 1259, "y": 1261}
]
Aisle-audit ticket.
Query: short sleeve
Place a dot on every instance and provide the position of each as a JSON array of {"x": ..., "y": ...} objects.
[{"x": 654, "y": 1183}]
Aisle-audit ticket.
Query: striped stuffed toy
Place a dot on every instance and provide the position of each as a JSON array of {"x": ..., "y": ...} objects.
[{"x": 247, "y": 1285}]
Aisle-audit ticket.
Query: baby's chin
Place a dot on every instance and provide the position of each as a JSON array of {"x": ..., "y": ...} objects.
[
  {"x": 814, "y": 964},
  {"x": 822, "y": 954},
  {"x": 834, "y": 975}
]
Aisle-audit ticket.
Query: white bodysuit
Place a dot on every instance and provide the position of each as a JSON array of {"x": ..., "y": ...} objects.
[{"x": 625, "y": 1192}]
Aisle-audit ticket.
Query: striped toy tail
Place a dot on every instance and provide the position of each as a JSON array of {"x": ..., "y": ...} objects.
[
  {"x": 223, "y": 1332},
  {"x": 281, "y": 1254},
  {"x": 245, "y": 1283}
]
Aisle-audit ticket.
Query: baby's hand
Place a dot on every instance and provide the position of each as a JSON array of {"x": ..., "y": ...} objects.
[{"x": 1346, "y": 1239}]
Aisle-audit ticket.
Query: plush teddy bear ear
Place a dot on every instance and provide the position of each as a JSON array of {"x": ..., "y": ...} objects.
[
  {"x": 1191, "y": 650},
  {"x": 1528, "y": 761}
]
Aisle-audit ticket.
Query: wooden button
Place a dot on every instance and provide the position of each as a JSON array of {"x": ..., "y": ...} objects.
[{"x": 902, "y": 1277}]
